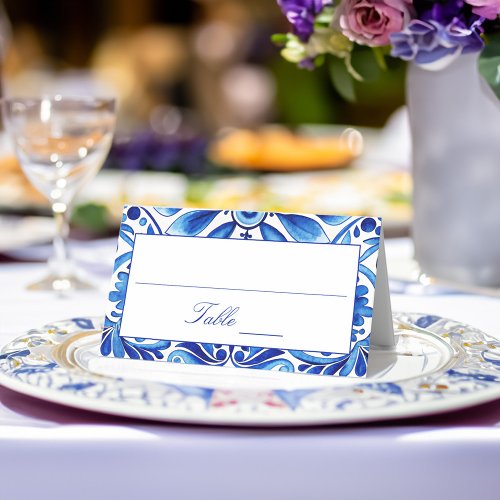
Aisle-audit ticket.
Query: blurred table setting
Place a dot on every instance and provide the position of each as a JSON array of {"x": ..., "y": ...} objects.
[
  {"x": 317, "y": 169},
  {"x": 448, "y": 452},
  {"x": 204, "y": 132}
]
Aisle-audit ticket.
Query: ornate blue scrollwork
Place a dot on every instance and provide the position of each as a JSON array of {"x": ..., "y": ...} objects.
[{"x": 268, "y": 226}]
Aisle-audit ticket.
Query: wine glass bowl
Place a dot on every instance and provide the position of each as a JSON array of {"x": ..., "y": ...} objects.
[{"x": 61, "y": 143}]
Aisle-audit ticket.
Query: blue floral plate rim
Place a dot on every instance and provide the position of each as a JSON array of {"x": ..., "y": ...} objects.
[{"x": 29, "y": 366}]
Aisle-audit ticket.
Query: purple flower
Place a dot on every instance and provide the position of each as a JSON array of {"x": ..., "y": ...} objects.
[
  {"x": 301, "y": 14},
  {"x": 430, "y": 32},
  {"x": 440, "y": 34},
  {"x": 307, "y": 63}
]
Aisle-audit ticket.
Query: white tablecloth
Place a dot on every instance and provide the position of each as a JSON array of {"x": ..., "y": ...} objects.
[{"x": 49, "y": 451}]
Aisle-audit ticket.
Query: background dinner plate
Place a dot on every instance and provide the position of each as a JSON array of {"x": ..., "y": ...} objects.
[
  {"x": 19, "y": 232},
  {"x": 437, "y": 365}
]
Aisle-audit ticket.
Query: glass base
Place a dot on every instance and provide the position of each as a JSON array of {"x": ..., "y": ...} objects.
[{"x": 61, "y": 284}]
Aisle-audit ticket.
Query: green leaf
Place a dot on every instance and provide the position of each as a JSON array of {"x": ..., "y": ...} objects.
[
  {"x": 379, "y": 54},
  {"x": 341, "y": 79},
  {"x": 92, "y": 217},
  {"x": 490, "y": 69},
  {"x": 324, "y": 18},
  {"x": 311, "y": 86},
  {"x": 319, "y": 60},
  {"x": 492, "y": 48},
  {"x": 198, "y": 190},
  {"x": 279, "y": 38},
  {"x": 366, "y": 63}
]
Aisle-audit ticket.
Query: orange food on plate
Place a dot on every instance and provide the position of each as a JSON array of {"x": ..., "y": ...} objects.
[{"x": 277, "y": 149}]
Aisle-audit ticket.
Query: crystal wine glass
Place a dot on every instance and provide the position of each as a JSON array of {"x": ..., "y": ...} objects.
[{"x": 61, "y": 143}]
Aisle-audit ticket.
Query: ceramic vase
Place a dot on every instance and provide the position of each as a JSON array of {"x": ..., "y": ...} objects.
[{"x": 455, "y": 128}]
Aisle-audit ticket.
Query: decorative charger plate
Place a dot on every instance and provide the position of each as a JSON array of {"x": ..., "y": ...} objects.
[{"x": 437, "y": 365}]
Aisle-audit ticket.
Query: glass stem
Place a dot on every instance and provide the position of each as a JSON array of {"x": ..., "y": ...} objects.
[{"x": 60, "y": 261}]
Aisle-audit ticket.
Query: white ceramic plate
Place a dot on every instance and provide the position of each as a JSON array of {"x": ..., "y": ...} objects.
[{"x": 438, "y": 365}]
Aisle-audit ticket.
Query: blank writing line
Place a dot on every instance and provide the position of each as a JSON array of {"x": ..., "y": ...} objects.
[
  {"x": 240, "y": 289},
  {"x": 261, "y": 334}
]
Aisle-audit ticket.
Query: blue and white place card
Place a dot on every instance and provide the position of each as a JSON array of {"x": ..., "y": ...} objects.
[{"x": 263, "y": 290}]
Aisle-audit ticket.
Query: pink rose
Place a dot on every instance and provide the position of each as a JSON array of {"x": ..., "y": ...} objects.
[
  {"x": 370, "y": 22},
  {"x": 485, "y": 8}
]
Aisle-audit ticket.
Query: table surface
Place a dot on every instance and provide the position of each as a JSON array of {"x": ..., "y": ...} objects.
[{"x": 50, "y": 451}]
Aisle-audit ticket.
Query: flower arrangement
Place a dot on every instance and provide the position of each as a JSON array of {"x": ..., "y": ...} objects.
[{"x": 430, "y": 33}]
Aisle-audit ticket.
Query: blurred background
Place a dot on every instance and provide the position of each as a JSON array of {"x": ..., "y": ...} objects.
[
  {"x": 212, "y": 56},
  {"x": 185, "y": 73}
]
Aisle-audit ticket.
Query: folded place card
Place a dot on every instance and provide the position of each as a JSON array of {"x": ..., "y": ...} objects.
[{"x": 263, "y": 290}]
